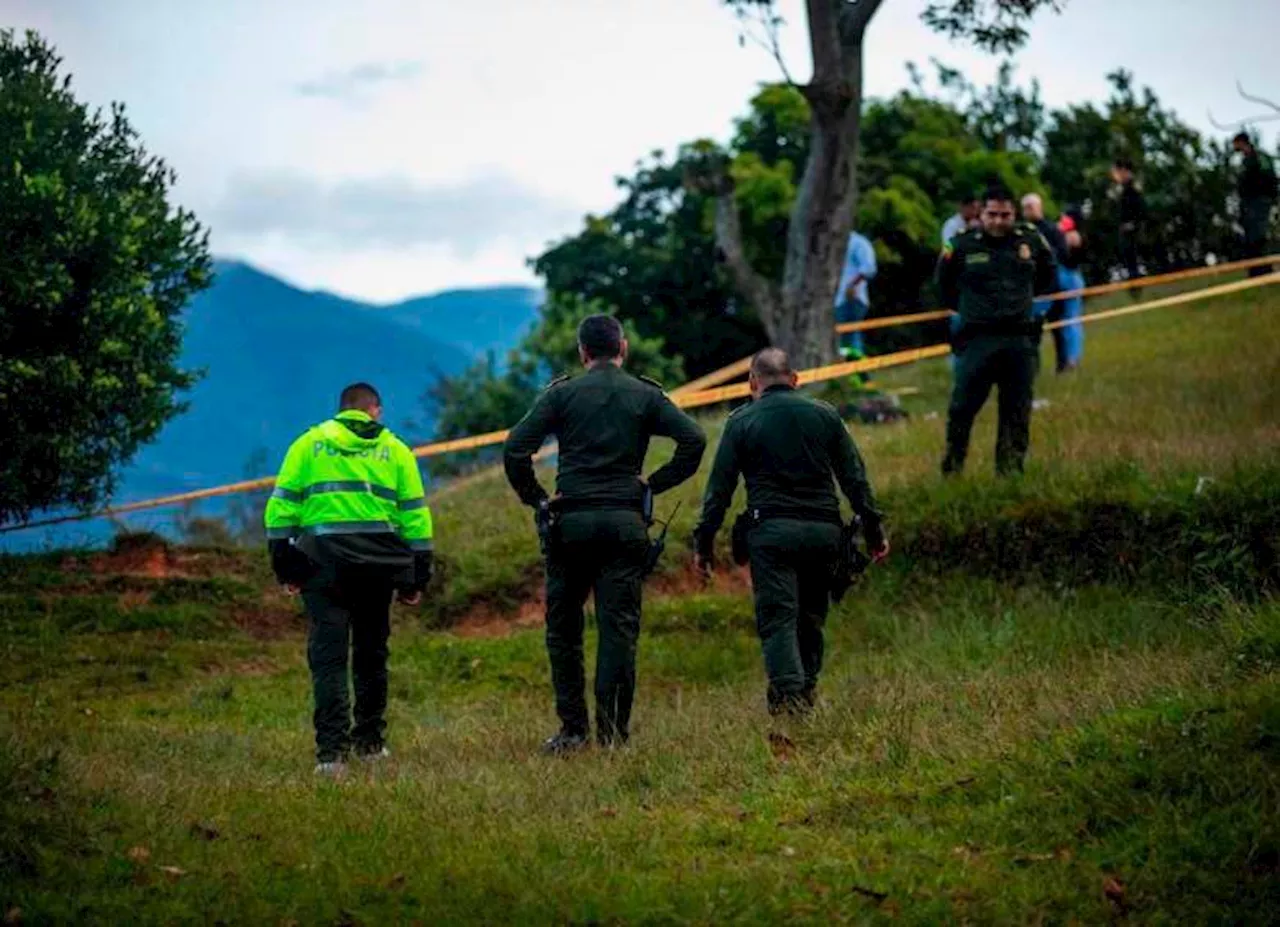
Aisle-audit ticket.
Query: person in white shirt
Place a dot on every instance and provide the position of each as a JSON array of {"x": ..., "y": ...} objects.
[
  {"x": 965, "y": 218},
  {"x": 852, "y": 299}
]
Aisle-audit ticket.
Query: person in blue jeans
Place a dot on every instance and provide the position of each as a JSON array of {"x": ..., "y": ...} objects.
[
  {"x": 852, "y": 295},
  {"x": 1069, "y": 340}
]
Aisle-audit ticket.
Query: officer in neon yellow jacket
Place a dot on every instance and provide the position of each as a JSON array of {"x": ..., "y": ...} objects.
[{"x": 348, "y": 527}]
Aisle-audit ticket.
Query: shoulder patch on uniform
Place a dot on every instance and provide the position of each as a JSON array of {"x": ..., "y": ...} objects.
[{"x": 556, "y": 381}]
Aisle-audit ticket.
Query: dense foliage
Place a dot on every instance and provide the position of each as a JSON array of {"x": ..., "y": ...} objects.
[
  {"x": 95, "y": 267},
  {"x": 653, "y": 258}
]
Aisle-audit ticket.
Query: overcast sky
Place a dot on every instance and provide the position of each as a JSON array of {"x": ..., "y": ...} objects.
[{"x": 385, "y": 148}]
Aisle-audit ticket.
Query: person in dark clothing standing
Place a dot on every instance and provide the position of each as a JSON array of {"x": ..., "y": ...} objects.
[
  {"x": 1033, "y": 215},
  {"x": 1132, "y": 213},
  {"x": 1068, "y": 340},
  {"x": 1257, "y": 191},
  {"x": 792, "y": 451},
  {"x": 595, "y": 530},
  {"x": 990, "y": 278}
]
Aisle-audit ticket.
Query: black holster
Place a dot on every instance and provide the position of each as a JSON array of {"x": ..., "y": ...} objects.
[
  {"x": 546, "y": 517},
  {"x": 850, "y": 563}
]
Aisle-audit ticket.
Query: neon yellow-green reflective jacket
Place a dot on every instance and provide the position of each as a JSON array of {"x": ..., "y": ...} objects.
[{"x": 350, "y": 489}]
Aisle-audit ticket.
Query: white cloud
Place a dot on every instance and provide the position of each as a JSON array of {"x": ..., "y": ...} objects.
[
  {"x": 392, "y": 212},
  {"x": 357, "y": 83}
]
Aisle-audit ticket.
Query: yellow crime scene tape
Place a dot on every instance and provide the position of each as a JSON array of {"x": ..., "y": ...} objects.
[
  {"x": 692, "y": 395},
  {"x": 1101, "y": 289}
]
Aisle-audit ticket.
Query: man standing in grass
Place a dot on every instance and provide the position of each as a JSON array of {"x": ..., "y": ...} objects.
[
  {"x": 1132, "y": 213},
  {"x": 989, "y": 277},
  {"x": 792, "y": 451},
  {"x": 595, "y": 531},
  {"x": 1257, "y": 190},
  {"x": 348, "y": 527},
  {"x": 853, "y": 299}
]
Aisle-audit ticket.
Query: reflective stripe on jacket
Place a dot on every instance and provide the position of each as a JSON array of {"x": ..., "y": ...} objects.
[{"x": 350, "y": 476}]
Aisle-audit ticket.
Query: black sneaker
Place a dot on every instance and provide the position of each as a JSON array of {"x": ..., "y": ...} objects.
[{"x": 564, "y": 743}]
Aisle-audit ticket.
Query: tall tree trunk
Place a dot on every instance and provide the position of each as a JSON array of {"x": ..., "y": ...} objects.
[{"x": 798, "y": 315}]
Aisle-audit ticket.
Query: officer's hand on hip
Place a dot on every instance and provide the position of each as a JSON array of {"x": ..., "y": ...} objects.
[
  {"x": 291, "y": 589},
  {"x": 408, "y": 598},
  {"x": 881, "y": 553}
]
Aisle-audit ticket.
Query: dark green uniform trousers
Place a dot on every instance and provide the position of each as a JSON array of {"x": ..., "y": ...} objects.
[
  {"x": 600, "y": 551},
  {"x": 349, "y": 609},
  {"x": 791, "y": 564},
  {"x": 1008, "y": 363},
  {"x": 1255, "y": 220}
]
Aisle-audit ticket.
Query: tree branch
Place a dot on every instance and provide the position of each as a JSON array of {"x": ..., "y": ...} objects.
[
  {"x": 757, "y": 290},
  {"x": 1251, "y": 120},
  {"x": 770, "y": 23},
  {"x": 824, "y": 40},
  {"x": 1261, "y": 101},
  {"x": 854, "y": 19}
]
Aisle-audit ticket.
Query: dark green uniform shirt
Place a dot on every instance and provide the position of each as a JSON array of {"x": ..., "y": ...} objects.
[
  {"x": 603, "y": 420},
  {"x": 992, "y": 282},
  {"x": 788, "y": 448}
]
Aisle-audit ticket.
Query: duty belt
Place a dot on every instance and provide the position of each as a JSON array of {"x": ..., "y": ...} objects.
[
  {"x": 563, "y": 506},
  {"x": 759, "y": 513}
]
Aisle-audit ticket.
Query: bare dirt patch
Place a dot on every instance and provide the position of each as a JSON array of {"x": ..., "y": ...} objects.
[{"x": 484, "y": 619}]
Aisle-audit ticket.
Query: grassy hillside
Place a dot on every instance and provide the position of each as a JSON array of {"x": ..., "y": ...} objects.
[{"x": 1057, "y": 703}]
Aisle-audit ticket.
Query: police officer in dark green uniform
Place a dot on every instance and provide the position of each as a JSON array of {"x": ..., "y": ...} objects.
[
  {"x": 792, "y": 451},
  {"x": 595, "y": 530},
  {"x": 990, "y": 277}
]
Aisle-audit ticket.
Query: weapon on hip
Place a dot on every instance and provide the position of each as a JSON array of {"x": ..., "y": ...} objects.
[
  {"x": 544, "y": 519},
  {"x": 658, "y": 544},
  {"x": 850, "y": 563}
]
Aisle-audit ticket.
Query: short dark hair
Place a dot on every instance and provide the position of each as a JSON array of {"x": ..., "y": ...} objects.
[
  {"x": 360, "y": 396},
  {"x": 1242, "y": 138},
  {"x": 600, "y": 336},
  {"x": 1125, "y": 164},
  {"x": 997, "y": 192},
  {"x": 771, "y": 365}
]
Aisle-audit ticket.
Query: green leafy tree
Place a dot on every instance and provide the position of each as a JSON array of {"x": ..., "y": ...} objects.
[
  {"x": 796, "y": 308},
  {"x": 95, "y": 267},
  {"x": 653, "y": 259},
  {"x": 1186, "y": 178},
  {"x": 653, "y": 256}
]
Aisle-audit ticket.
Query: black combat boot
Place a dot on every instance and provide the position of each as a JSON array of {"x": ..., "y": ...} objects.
[{"x": 564, "y": 743}]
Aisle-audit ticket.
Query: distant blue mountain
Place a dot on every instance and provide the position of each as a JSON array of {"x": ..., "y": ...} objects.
[
  {"x": 275, "y": 358},
  {"x": 477, "y": 321}
]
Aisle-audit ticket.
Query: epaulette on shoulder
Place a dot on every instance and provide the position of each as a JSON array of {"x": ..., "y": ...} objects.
[
  {"x": 556, "y": 381},
  {"x": 651, "y": 381}
]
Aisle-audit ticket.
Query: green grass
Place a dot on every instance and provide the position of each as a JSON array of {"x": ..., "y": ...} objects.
[{"x": 1057, "y": 704}]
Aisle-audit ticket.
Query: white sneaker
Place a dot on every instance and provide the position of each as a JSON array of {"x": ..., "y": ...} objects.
[
  {"x": 374, "y": 756},
  {"x": 334, "y": 769}
]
